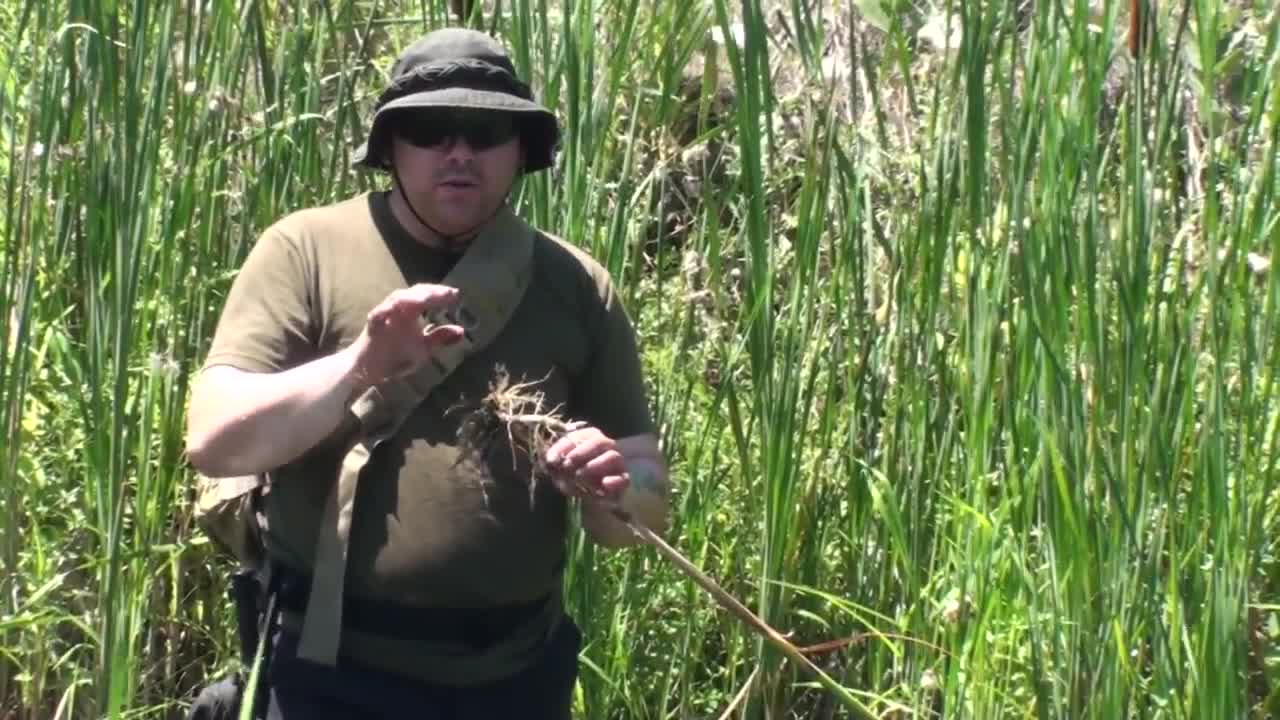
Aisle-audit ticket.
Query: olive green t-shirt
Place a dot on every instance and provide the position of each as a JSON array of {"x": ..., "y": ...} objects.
[{"x": 432, "y": 526}]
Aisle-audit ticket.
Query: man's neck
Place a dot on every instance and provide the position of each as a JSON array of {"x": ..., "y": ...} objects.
[{"x": 423, "y": 234}]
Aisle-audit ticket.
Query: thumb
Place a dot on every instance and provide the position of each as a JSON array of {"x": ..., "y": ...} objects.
[{"x": 438, "y": 336}]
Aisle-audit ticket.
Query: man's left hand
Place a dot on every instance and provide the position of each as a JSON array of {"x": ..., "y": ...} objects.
[
  {"x": 586, "y": 463},
  {"x": 626, "y": 474}
]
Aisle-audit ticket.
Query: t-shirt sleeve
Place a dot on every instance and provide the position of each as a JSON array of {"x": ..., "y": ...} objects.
[
  {"x": 610, "y": 393},
  {"x": 266, "y": 323}
]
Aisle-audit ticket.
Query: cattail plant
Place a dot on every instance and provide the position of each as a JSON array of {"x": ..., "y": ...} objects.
[{"x": 962, "y": 350}]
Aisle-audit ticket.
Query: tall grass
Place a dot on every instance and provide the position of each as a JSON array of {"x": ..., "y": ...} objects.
[{"x": 964, "y": 358}]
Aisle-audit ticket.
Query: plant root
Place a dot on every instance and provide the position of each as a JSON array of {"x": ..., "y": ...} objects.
[{"x": 518, "y": 412}]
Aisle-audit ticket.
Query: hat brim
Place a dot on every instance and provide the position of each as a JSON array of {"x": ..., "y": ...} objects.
[
  {"x": 540, "y": 124},
  {"x": 463, "y": 97}
]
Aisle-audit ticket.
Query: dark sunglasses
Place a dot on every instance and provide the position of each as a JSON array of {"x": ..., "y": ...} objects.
[{"x": 480, "y": 129}]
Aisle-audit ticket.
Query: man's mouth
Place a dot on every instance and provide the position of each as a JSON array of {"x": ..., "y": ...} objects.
[{"x": 458, "y": 183}]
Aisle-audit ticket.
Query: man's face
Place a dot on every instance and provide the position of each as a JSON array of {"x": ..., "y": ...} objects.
[{"x": 456, "y": 167}]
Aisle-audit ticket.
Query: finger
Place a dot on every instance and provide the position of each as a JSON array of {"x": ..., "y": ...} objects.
[
  {"x": 428, "y": 295},
  {"x": 607, "y": 464},
  {"x": 382, "y": 316},
  {"x": 589, "y": 448},
  {"x": 412, "y": 301},
  {"x": 419, "y": 300},
  {"x": 603, "y": 475},
  {"x": 555, "y": 454},
  {"x": 614, "y": 485},
  {"x": 608, "y": 486},
  {"x": 379, "y": 314},
  {"x": 438, "y": 336}
]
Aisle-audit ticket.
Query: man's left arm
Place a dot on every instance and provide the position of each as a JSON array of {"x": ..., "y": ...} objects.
[
  {"x": 616, "y": 461},
  {"x": 646, "y": 496}
]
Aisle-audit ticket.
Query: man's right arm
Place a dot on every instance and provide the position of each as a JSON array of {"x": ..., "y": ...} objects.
[{"x": 242, "y": 423}]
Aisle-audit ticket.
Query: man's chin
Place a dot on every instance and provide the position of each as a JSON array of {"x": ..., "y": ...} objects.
[
  {"x": 463, "y": 223},
  {"x": 461, "y": 233}
]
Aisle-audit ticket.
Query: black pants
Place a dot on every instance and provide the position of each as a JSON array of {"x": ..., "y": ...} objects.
[{"x": 301, "y": 690}]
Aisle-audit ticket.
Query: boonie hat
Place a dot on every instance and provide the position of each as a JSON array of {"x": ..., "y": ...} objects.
[{"x": 460, "y": 68}]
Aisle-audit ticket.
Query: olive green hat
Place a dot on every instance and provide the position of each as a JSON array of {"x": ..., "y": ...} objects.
[{"x": 460, "y": 68}]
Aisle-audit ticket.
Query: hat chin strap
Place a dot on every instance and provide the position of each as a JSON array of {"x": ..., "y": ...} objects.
[{"x": 451, "y": 242}]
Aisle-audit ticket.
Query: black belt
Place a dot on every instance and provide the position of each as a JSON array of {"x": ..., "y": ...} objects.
[{"x": 476, "y": 627}]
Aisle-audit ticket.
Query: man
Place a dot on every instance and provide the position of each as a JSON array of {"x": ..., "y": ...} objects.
[{"x": 451, "y": 606}]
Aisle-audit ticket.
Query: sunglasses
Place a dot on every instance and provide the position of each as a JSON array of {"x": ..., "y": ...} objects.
[{"x": 480, "y": 129}]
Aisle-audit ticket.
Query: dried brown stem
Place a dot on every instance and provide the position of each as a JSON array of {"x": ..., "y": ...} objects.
[
  {"x": 742, "y": 694},
  {"x": 726, "y": 600},
  {"x": 519, "y": 412}
]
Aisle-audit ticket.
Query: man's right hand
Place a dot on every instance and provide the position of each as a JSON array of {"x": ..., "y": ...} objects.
[
  {"x": 240, "y": 422},
  {"x": 395, "y": 341}
]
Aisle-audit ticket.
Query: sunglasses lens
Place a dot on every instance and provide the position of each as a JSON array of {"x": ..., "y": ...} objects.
[
  {"x": 480, "y": 130},
  {"x": 490, "y": 130},
  {"x": 422, "y": 134}
]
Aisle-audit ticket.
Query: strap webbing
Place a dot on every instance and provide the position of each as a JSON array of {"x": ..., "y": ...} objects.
[
  {"x": 451, "y": 662},
  {"x": 491, "y": 278}
]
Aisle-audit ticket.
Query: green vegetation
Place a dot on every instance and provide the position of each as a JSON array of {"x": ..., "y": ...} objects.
[{"x": 963, "y": 354}]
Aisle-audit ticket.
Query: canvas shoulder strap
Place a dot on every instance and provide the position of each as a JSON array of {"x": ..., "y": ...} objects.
[{"x": 491, "y": 277}]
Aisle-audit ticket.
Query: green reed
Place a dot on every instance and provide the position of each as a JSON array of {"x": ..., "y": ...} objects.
[{"x": 961, "y": 357}]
